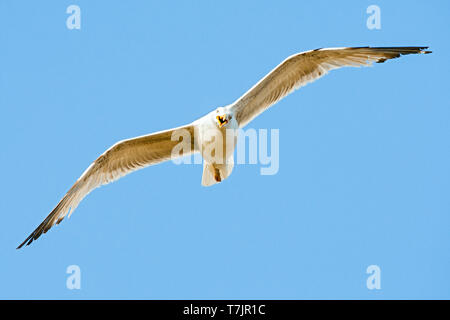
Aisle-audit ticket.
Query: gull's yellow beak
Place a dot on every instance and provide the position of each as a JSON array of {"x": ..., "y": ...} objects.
[{"x": 221, "y": 120}]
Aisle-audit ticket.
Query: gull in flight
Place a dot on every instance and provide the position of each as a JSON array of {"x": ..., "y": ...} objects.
[{"x": 130, "y": 155}]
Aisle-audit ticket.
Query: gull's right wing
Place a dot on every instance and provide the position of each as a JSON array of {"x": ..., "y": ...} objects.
[{"x": 121, "y": 159}]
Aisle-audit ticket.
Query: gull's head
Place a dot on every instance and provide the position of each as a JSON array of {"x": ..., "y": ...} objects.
[{"x": 222, "y": 117}]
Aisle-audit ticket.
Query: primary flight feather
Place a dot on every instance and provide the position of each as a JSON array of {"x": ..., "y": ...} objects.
[{"x": 129, "y": 155}]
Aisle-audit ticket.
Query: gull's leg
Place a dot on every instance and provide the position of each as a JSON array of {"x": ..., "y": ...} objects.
[{"x": 217, "y": 175}]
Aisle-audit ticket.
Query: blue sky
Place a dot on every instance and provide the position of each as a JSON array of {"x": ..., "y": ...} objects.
[{"x": 364, "y": 153}]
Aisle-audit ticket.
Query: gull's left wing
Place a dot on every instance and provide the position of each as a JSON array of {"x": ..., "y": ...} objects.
[
  {"x": 302, "y": 68},
  {"x": 122, "y": 158}
]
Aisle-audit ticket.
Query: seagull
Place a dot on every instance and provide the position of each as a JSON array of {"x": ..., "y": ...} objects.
[{"x": 211, "y": 132}]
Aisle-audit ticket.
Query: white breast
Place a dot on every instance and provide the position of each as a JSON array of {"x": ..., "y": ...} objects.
[{"x": 217, "y": 144}]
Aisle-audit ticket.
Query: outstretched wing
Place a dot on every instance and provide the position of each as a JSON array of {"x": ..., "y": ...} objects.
[
  {"x": 122, "y": 158},
  {"x": 302, "y": 68}
]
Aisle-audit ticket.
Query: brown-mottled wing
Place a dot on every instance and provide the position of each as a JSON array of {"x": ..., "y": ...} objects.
[
  {"x": 122, "y": 158},
  {"x": 302, "y": 68}
]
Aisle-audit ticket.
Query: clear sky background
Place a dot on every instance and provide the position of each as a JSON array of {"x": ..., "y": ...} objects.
[{"x": 364, "y": 173}]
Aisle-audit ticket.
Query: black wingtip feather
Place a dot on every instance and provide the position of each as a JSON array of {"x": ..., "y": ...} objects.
[
  {"x": 27, "y": 241},
  {"x": 36, "y": 233},
  {"x": 399, "y": 51},
  {"x": 43, "y": 227}
]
